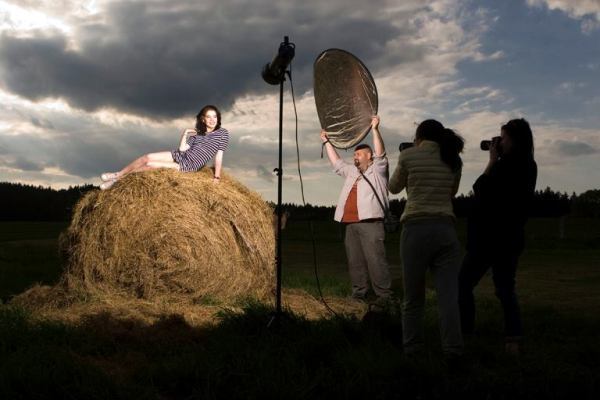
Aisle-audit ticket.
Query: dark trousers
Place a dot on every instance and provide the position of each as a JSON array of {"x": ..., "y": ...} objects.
[
  {"x": 430, "y": 244},
  {"x": 504, "y": 267},
  {"x": 365, "y": 250}
]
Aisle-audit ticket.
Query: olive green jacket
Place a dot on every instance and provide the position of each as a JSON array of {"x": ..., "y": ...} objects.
[{"x": 429, "y": 182}]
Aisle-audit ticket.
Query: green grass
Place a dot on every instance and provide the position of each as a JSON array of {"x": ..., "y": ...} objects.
[
  {"x": 563, "y": 272},
  {"x": 30, "y": 230},
  {"x": 25, "y": 262},
  {"x": 105, "y": 357},
  {"x": 28, "y": 255}
]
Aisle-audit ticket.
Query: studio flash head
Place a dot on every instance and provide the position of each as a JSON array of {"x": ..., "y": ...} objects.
[{"x": 273, "y": 73}]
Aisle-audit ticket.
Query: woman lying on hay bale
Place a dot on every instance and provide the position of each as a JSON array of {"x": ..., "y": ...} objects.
[{"x": 196, "y": 148}]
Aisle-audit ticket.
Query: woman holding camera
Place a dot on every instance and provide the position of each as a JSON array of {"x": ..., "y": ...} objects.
[
  {"x": 430, "y": 172},
  {"x": 495, "y": 230}
]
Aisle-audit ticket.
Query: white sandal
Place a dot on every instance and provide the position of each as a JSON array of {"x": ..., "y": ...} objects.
[
  {"x": 107, "y": 184},
  {"x": 109, "y": 176}
]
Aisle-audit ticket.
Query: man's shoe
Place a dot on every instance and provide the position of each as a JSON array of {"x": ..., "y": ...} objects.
[
  {"x": 512, "y": 345},
  {"x": 357, "y": 299},
  {"x": 455, "y": 363},
  {"x": 380, "y": 304},
  {"x": 512, "y": 348}
]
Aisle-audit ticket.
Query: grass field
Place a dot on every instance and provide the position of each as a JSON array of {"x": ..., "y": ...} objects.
[{"x": 105, "y": 357}]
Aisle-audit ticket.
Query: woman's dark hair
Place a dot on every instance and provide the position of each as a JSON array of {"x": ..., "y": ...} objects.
[
  {"x": 201, "y": 126},
  {"x": 451, "y": 144},
  {"x": 521, "y": 136}
]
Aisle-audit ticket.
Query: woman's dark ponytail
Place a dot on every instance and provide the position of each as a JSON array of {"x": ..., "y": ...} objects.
[{"x": 451, "y": 145}]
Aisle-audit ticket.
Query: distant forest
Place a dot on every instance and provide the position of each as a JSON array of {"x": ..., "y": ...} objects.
[
  {"x": 36, "y": 203},
  {"x": 547, "y": 203},
  {"x": 20, "y": 202}
]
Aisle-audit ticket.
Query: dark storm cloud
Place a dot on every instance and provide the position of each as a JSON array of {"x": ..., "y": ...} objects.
[
  {"x": 573, "y": 149},
  {"x": 87, "y": 154},
  {"x": 84, "y": 155},
  {"x": 164, "y": 60},
  {"x": 25, "y": 165}
]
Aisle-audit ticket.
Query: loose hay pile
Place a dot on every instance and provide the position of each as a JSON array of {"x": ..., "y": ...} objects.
[
  {"x": 160, "y": 243},
  {"x": 165, "y": 233}
]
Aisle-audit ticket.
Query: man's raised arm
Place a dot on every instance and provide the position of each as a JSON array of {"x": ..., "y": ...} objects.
[
  {"x": 331, "y": 151},
  {"x": 378, "y": 146}
]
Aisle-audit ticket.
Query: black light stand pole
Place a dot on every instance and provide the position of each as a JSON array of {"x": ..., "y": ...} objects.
[
  {"x": 278, "y": 258},
  {"x": 274, "y": 73}
]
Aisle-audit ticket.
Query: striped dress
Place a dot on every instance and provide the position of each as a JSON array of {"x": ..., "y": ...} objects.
[{"x": 202, "y": 150}]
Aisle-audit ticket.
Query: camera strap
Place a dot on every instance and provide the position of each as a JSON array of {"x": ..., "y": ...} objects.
[{"x": 385, "y": 209}]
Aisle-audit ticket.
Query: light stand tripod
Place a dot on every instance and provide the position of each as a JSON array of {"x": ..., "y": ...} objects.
[{"x": 274, "y": 73}]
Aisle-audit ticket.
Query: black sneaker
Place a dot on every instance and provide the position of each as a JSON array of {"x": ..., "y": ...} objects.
[
  {"x": 380, "y": 304},
  {"x": 456, "y": 363}
]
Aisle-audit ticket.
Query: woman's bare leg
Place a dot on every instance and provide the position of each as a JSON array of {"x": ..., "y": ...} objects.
[
  {"x": 144, "y": 163},
  {"x": 163, "y": 159},
  {"x": 162, "y": 164}
]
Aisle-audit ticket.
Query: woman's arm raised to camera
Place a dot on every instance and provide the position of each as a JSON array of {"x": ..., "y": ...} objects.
[
  {"x": 494, "y": 156},
  {"x": 457, "y": 176},
  {"x": 399, "y": 178}
]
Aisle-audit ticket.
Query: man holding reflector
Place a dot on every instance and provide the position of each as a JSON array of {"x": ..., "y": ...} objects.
[
  {"x": 360, "y": 210},
  {"x": 346, "y": 100}
]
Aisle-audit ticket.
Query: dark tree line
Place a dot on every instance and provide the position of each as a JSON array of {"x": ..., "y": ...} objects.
[
  {"x": 586, "y": 204},
  {"x": 20, "y": 202},
  {"x": 35, "y": 203},
  {"x": 546, "y": 203}
]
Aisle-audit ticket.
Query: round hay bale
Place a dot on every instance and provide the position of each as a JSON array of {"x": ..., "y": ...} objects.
[{"x": 164, "y": 232}]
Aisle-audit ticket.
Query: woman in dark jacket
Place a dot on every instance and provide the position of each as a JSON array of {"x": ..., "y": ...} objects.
[{"x": 495, "y": 232}]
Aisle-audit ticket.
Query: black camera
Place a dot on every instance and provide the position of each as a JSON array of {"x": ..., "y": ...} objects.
[
  {"x": 486, "y": 144},
  {"x": 405, "y": 145}
]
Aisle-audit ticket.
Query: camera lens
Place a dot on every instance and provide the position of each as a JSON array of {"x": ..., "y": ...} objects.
[
  {"x": 405, "y": 145},
  {"x": 486, "y": 144}
]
